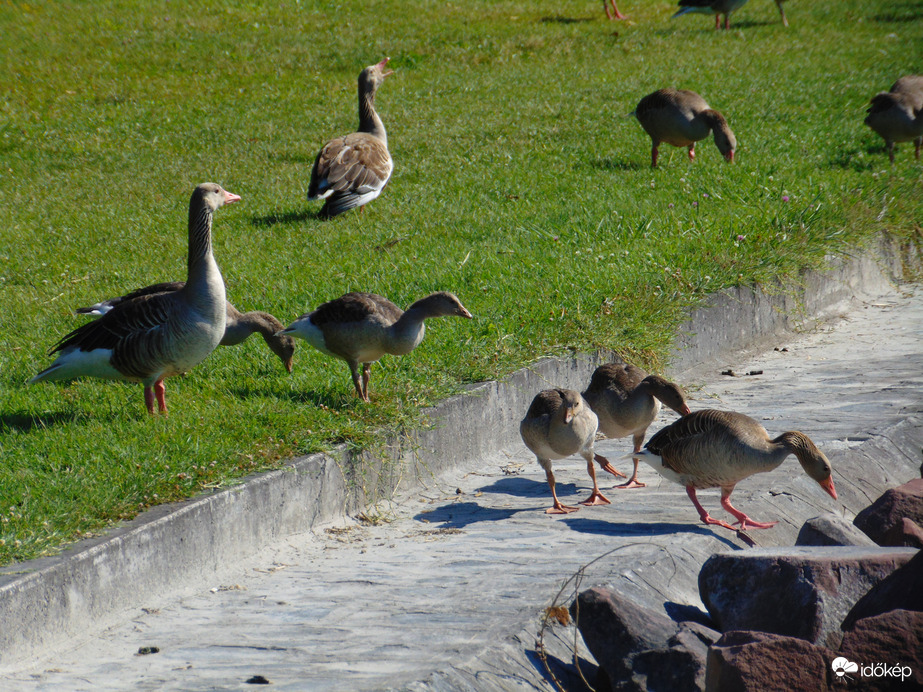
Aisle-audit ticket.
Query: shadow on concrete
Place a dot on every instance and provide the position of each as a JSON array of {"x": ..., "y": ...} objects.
[
  {"x": 529, "y": 487},
  {"x": 460, "y": 514},
  {"x": 602, "y": 527}
]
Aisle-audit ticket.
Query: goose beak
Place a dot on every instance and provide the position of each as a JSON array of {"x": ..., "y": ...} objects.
[
  {"x": 828, "y": 486},
  {"x": 230, "y": 197},
  {"x": 685, "y": 410},
  {"x": 288, "y": 364},
  {"x": 464, "y": 313},
  {"x": 729, "y": 157},
  {"x": 381, "y": 66}
]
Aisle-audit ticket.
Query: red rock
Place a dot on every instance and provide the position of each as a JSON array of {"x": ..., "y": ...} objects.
[
  {"x": 906, "y": 532},
  {"x": 895, "y": 504},
  {"x": 797, "y": 592},
  {"x": 744, "y": 661},
  {"x": 894, "y": 640},
  {"x": 903, "y": 589}
]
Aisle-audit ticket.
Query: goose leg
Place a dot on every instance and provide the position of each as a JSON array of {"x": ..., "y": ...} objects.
[
  {"x": 606, "y": 466},
  {"x": 655, "y": 153},
  {"x": 717, "y": 21},
  {"x": 633, "y": 482},
  {"x": 149, "y": 399},
  {"x": 727, "y": 21},
  {"x": 617, "y": 14},
  {"x": 782, "y": 12},
  {"x": 596, "y": 497},
  {"x": 745, "y": 521},
  {"x": 354, "y": 369},
  {"x": 703, "y": 515},
  {"x": 366, "y": 376},
  {"x": 692, "y": 152},
  {"x": 557, "y": 508},
  {"x": 918, "y": 142},
  {"x": 160, "y": 391},
  {"x": 891, "y": 151}
]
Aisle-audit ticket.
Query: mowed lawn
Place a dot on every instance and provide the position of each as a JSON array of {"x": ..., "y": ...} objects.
[{"x": 519, "y": 184}]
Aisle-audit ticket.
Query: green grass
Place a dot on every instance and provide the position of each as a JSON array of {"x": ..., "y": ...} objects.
[{"x": 517, "y": 185}]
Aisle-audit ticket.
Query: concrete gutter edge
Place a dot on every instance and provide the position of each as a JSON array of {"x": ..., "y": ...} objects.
[{"x": 47, "y": 602}]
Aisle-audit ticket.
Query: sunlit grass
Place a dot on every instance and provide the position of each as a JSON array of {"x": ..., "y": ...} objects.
[{"x": 518, "y": 185}]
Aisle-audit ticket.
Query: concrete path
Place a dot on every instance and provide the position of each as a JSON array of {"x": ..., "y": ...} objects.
[{"x": 445, "y": 588}]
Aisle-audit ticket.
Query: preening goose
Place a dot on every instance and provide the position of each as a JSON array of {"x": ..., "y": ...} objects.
[
  {"x": 362, "y": 327},
  {"x": 238, "y": 327},
  {"x": 560, "y": 423},
  {"x": 682, "y": 118},
  {"x": 351, "y": 171},
  {"x": 719, "y": 7},
  {"x": 709, "y": 448},
  {"x": 626, "y": 400},
  {"x": 156, "y": 336},
  {"x": 897, "y": 115}
]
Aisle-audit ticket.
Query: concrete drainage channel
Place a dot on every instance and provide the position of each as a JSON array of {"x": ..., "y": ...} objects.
[{"x": 53, "y": 601}]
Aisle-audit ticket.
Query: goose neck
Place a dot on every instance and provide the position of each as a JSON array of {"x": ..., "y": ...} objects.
[{"x": 369, "y": 121}]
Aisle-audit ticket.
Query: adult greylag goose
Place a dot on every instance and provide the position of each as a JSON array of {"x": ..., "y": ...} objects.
[
  {"x": 362, "y": 327},
  {"x": 897, "y": 115},
  {"x": 239, "y": 325},
  {"x": 160, "y": 335},
  {"x": 626, "y": 400},
  {"x": 351, "y": 171},
  {"x": 709, "y": 448},
  {"x": 681, "y": 117},
  {"x": 560, "y": 423}
]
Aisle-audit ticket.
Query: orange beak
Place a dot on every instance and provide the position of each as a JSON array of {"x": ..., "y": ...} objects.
[{"x": 828, "y": 486}]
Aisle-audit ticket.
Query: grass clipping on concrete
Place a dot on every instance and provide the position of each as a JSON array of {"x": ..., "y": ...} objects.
[{"x": 518, "y": 184}]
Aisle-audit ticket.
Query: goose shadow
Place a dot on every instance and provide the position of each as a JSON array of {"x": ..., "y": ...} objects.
[
  {"x": 286, "y": 217},
  {"x": 26, "y": 422},
  {"x": 527, "y": 487},
  {"x": 457, "y": 515},
  {"x": 615, "y": 165},
  {"x": 900, "y": 13},
  {"x": 850, "y": 158},
  {"x": 558, "y": 19},
  {"x": 603, "y": 527},
  {"x": 683, "y": 612}
]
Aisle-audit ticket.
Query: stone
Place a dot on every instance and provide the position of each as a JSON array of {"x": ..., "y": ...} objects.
[
  {"x": 906, "y": 532},
  {"x": 903, "y": 501},
  {"x": 797, "y": 592},
  {"x": 681, "y": 666},
  {"x": 902, "y": 589},
  {"x": 831, "y": 529},
  {"x": 743, "y": 661},
  {"x": 895, "y": 641},
  {"x": 615, "y": 629}
]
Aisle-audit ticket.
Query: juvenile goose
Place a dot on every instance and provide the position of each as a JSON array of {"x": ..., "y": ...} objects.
[
  {"x": 351, "y": 171},
  {"x": 156, "y": 336},
  {"x": 682, "y": 118},
  {"x": 626, "y": 400},
  {"x": 559, "y": 423},
  {"x": 709, "y": 448},
  {"x": 239, "y": 326},
  {"x": 362, "y": 327},
  {"x": 719, "y": 7},
  {"x": 897, "y": 115}
]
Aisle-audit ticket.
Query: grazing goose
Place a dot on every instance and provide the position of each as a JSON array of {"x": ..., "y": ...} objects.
[
  {"x": 709, "y": 448},
  {"x": 351, "y": 171},
  {"x": 161, "y": 335},
  {"x": 239, "y": 326},
  {"x": 559, "y": 423},
  {"x": 719, "y": 7},
  {"x": 681, "y": 118},
  {"x": 897, "y": 115},
  {"x": 626, "y": 400},
  {"x": 362, "y": 327}
]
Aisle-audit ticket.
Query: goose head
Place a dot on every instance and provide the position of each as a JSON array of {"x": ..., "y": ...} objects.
[
  {"x": 726, "y": 143},
  {"x": 571, "y": 404},
  {"x": 812, "y": 460},
  {"x": 441, "y": 304},
  {"x": 284, "y": 347},
  {"x": 372, "y": 76},
  {"x": 669, "y": 394},
  {"x": 213, "y": 196}
]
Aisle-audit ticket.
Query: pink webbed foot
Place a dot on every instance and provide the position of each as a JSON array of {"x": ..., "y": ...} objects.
[
  {"x": 631, "y": 483},
  {"x": 606, "y": 466},
  {"x": 558, "y": 508},
  {"x": 596, "y": 498}
]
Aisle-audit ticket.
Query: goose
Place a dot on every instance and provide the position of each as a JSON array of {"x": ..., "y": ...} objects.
[
  {"x": 239, "y": 325},
  {"x": 681, "y": 117},
  {"x": 362, "y": 327},
  {"x": 626, "y": 400},
  {"x": 719, "y": 7},
  {"x": 897, "y": 115},
  {"x": 560, "y": 423},
  {"x": 351, "y": 171},
  {"x": 711, "y": 448},
  {"x": 156, "y": 336}
]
